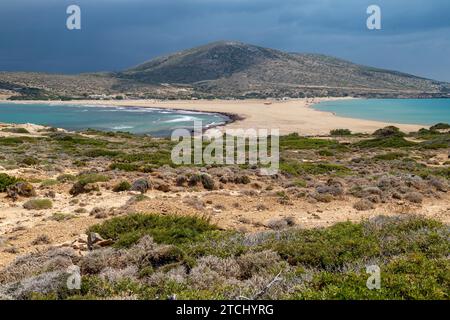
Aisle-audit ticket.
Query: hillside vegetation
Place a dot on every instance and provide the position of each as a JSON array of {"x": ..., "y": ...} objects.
[{"x": 228, "y": 70}]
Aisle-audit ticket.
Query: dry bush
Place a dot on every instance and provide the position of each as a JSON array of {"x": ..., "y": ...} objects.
[
  {"x": 226, "y": 267},
  {"x": 414, "y": 197},
  {"x": 256, "y": 262},
  {"x": 44, "y": 283},
  {"x": 363, "y": 205},
  {"x": 41, "y": 239},
  {"x": 25, "y": 266},
  {"x": 115, "y": 275},
  {"x": 281, "y": 223},
  {"x": 96, "y": 261}
]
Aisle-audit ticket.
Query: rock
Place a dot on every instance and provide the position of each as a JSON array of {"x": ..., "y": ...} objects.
[
  {"x": 23, "y": 189},
  {"x": 79, "y": 188},
  {"x": 103, "y": 243},
  {"x": 141, "y": 185},
  {"x": 77, "y": 245},
  {"x": 94, "y": 238},
  {"x": 83, "y": 238},
  {"x": 50, "y": 194}
]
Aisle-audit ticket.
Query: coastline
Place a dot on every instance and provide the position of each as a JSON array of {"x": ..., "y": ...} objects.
[{"x": 290, "y": 116}]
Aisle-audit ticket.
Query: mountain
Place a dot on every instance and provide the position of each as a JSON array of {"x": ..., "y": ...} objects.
[
  {"x": 236, "y": 68},
  {"x": 229, "y": 69}
]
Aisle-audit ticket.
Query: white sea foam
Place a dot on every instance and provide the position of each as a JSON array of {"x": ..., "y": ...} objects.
[{"x": 182, "y": 119}]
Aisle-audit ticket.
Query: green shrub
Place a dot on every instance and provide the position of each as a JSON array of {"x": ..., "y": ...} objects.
[
  {"x": 67, "y": 139},
  {"x": 30, "y": 161},
  {"x": 16, "y": 130},
  {"x": 6, "y": 181},
  {"x": 440, "y": 142},
  {"x": 129, "y": 167},
  {"x": 170, "y": 229},
  {"x": 296, "y": 168},
  {"x": 389, "y": 131},
  {"x": 429, "y": 172},
  {"x": 340, "y": 132},
  {"x": 122, "y": 186},
  {"x": 300, "y": 183},
  {"x": 326, "y": 248},
  {"x": 325, "y": 153},
  {"x": 38, "y": 204},
  {"x": 49, "y": 182},
  {"x": 66, "y": 178},
  {"x": 59, "y": 216},
  {"x": 10, "y": 141},
  {"x": 295, "y": 142},
  {"x": 410, "y": 234},
  {"x": 390, "y": 156},
  {"x": 411, "y": 278},
  {"x": 321, "y": 263},
  {"x": 389, "y": 142},
  {"x": 95, "y": 153},
  {"x": 84, "y": 179},
  {"x": 440, "y": 126}
]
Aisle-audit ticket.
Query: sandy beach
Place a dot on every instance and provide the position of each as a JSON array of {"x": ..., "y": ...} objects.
[{"x": 288, "y": 116}]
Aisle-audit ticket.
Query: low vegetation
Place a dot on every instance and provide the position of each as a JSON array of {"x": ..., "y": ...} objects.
[
  {"x": 128, "y": 230},
  {"x": 188, "y": 258},
  {"x": 296, "y": 168},
  {"x": 6, "y": 181},
  {"x": 178, "y": 253},
  {"x": 340, "y": 132},
  {"x": 38, "y": 204}
]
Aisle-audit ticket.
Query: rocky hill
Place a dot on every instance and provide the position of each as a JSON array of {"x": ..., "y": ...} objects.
[{"x": 236, "y": 70}]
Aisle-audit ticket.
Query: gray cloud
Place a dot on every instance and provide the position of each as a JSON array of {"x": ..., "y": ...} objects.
[{"x": 117, "y": 34}]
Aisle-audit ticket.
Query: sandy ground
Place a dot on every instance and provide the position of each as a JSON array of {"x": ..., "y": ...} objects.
[
  {"x": 221, "y": 209},
  {"x": 287, "y": 116}
]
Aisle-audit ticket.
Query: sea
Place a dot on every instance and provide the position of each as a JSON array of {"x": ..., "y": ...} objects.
[
  {"x": 78, "y": 117},
  {"x": 406, "y": 111}
]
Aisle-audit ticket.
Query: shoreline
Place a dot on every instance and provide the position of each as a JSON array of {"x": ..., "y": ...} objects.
[{"x": 290, "y": 116}]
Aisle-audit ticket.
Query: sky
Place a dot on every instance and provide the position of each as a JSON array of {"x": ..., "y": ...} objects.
[{"x": 118, "y": 34}]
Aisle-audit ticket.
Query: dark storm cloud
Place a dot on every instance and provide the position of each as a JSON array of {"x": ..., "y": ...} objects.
[{"x": 117, "y": 34}]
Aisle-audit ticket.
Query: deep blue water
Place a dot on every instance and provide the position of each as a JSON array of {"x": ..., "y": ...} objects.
[
  {"x": 107, "y": 118},
  {"x": 412, "y": 111}
]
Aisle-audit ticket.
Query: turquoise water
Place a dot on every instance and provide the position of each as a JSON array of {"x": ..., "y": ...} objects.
[
  {"x": 410, "y": 111},
  {"x": 158, "y": 122}
]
